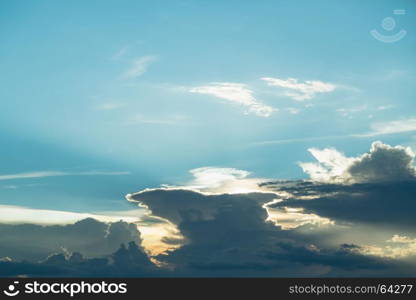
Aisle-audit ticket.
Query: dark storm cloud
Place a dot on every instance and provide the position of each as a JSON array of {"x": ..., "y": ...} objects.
[
  {"x": 126, "y": 261},
  {"x": 227, "y": 235},
  {"x": 90, "y": 237},
  {"x": 387, "y": 203}
]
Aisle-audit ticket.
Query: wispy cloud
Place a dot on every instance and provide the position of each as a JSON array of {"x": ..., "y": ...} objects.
[
  {"x": 300, "y": 91},
  {"x": 237, "y": 93},
  {"x": 139, "y": 66},
  {"x": 390, "y": 127},
  {"x": 385, "y": 107},
  {"x": 41, "y": 174},
  {"x": 348, "y": 112},
  {"x": 120, "y": 53},
  {"x": 297, "y": 140},
  {"x": 9, "y": 187},
  {"x": 158, "y": 120},
  {"x": 109, "y": 106}
]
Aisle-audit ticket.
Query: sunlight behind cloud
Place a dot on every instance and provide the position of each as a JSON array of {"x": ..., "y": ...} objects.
[
  {"x": 213, "y": 180},
  {"x": 291, "y": 218},
  {"x": 11, "y": 214}
]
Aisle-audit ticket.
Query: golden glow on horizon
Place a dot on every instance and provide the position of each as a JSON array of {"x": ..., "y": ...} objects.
[{"x": 154, "y": 237}]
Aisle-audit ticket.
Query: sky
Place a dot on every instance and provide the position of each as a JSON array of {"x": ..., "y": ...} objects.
[{"x": 100, "y": 99}]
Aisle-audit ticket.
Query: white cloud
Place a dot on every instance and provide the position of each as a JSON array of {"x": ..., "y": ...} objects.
[
  {"x": 41, "y": 174},
  {"x": 237, "y": 93},
  {"x": 139, "y": 66},
  {"x": 390, "y": 127},
  {"x": 402, "y": 239},
  {"x": 382, "y": 163},
  {"x": 300, "y": 91}
]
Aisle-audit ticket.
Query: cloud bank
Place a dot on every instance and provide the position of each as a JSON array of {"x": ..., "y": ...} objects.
[
  {"x": 139, "y": 66},
  {"x": 391, "y": 127}
]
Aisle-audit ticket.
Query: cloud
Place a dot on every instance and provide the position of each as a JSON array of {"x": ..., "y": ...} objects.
[
  {"x": 398, "y": 247},
  {"x": 223, "y": 222},
  {"x": 348, "y": 112},
  {"x": 165, "y": 120},
  {"x": 296, "y": 140},
  {"x": 153, "y": 230},
  {"x": 109, "y": 106},
  {"x": 89, "y": 236},
  {"x": 9, "y": 187},
  {"x": 125, "y": 261},
  {"x": 161, "y": 235},
  {"x": 139, "y": 66},
  {"x": 120, "y": 53},
  {"x": 229, "y": 235},
  {"x": 383, "y": 204},
  {"x": 11, "y": 214},
  {"x": 237, "y": 93},
  {"x": 371, "y": 194},
  {"x": 290, "y": 218},
  {"x": 272, "y": 229},
  {"x": 382, "y": 163},
  {"x": 222, "y": 180},
  {"x": 390, "y": 127},
  {"x": 385, "y": 107},
  {"x": 331, "y": 165},
  {"x": 42, "y": 174},
  {"x": 292, "y": 110},
  {"x": 216, "y": 180},
  {"x": 300, "y": 91}
]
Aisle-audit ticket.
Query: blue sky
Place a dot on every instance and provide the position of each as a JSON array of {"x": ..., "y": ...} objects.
[{"x": 120, "y": 96}]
